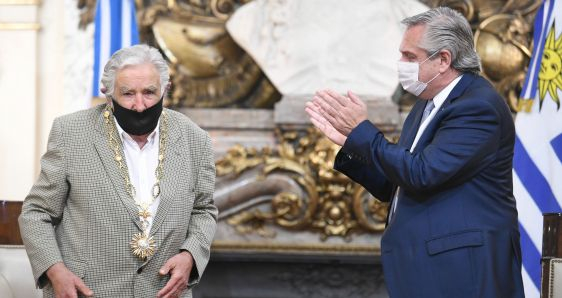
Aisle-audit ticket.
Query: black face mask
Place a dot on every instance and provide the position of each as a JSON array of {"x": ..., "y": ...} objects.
[{"x": 135, "y": 123}]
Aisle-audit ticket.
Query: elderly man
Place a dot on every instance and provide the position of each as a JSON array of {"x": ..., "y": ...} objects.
[
  {"x": 123, "y": 204},
  {"x": 452, "y": 228}
]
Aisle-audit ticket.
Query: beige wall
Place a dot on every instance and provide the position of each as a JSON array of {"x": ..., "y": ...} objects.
[
  {"x": 19, "y": 110},
  {"x": 34, "y": 46}
]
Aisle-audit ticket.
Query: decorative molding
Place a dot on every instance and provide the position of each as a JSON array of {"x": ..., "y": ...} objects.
[
  {"x": 19, "y": 26},
  {"x": 292, "y": 248},
  {"x": 319, "y": 280},
  {"x": 295, "y": 276},
  {"x": 208, "y": 69},
  {"x": 20, "y": 2},
  {"x": 326, "y": 202}
]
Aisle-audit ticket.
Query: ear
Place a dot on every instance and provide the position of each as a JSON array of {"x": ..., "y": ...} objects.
[{"x": 445, "y": 60}]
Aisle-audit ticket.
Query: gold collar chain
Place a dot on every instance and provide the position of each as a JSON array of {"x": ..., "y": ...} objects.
[{"x": 142, "y": 245}]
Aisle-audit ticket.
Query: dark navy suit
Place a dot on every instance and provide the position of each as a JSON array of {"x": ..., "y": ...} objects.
[{"x": 455, "y": 231}]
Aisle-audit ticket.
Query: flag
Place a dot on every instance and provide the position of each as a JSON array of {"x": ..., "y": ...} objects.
[
  {"x": 537, "y": 161},
  {"x": 115, "y": 28}
]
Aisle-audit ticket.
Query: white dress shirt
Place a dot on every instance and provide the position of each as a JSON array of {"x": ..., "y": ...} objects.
[
  {"x": 142, "y": 165},
  {"x": 438, "y": 101}
]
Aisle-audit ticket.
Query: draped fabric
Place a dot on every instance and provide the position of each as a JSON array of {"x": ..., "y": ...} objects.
[
  {"x": 537, "y": 163},
  {"x": 115, "y": 28}
]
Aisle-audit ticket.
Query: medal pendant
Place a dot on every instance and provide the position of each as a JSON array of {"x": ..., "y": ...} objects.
[{"x": 143, "y": 246}]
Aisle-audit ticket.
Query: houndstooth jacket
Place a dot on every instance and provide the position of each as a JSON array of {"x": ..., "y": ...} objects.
[{"x": 78, "y": 211}]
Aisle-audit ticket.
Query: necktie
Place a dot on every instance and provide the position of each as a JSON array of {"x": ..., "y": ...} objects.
[{"x": 428, "y": 108}]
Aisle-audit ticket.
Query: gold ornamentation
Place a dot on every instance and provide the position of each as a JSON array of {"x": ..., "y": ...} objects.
[
  {"x": 144, "y": 213},
  {"x": 550, "y": 75},
  {"x": 208, "y": 69},
  {"x": 156, "y": 189},
  {"x": 333, "y": 205},
  {"x": 268, "y": 246},
  {"x": 142, "y": 245}
]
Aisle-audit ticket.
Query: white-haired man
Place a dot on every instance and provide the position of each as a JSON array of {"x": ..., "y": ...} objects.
[{"x": 123, "y": 204}]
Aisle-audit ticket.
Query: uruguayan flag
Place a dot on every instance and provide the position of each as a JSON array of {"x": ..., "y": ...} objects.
[
  {"x": 537, "y": 164},
  {"x": 116, "y": 28}
]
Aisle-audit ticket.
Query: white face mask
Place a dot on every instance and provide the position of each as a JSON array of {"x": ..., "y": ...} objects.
[{"x": 408, "y": 75}]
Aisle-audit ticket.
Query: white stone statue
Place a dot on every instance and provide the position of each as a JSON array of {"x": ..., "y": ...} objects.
[{"x": 306, "y": 45}]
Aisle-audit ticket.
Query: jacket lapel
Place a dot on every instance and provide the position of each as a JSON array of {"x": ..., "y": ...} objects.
[
  {"x": 106, "y": 155},
  {"x": 173, "y": 165},
  {"x": 458, "y": 91},
  {"x": 409, "y": 131},
  {"x": 407, "y": 138}
]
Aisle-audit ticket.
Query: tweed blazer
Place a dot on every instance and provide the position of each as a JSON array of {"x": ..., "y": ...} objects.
[{"x": 78, "y": 211}]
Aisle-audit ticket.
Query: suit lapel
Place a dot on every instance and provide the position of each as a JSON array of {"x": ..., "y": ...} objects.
[
  {"x": 409, "y": 130},
  {"x": 173, "y": 165},
  {"x": 106, "y": 155},
  {"x": 458, "y": 91},
  {"x": 407, "y": 138}
]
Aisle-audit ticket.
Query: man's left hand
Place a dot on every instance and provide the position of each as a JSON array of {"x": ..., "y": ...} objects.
[
  {"x": 343, "y": 113},
  {"x": 179, "y": 268}
]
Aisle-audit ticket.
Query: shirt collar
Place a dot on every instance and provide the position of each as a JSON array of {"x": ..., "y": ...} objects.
[{"x": 440, "y": 98}]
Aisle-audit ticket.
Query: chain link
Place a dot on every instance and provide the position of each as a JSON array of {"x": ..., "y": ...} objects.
[{"x": 117, "y": 147}]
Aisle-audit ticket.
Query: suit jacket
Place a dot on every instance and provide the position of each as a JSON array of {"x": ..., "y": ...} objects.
[
  {"x": 78, "y": 211},
  {"x": 455, "y": 231}
]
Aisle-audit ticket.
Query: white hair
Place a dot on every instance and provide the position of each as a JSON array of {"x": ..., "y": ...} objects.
[
  {"x": 134, "y": 55},
  {"x": 448, "y": 29}
]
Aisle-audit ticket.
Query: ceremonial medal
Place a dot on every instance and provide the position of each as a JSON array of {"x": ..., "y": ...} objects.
[{"x": 143, "y": 246}]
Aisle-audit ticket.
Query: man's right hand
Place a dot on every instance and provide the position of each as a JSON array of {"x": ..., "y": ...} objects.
[
  {"x": 65, "y": 283},
  {"x": 318, "y": 120}
]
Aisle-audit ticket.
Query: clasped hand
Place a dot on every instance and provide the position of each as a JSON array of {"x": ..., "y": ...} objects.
[{"x": 336, "y": 115}]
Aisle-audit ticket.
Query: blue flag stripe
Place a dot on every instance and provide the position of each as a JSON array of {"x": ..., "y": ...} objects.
[
  {"x": 115, "y": 28},
  {"x": 97, "y": 37},
  {"x": 134, "y": 29},
  {"x": 535, "y": 186},
  {"x": 556, "y": 144},
  {"x": 531, "y": 257},
  {"x": 538, "y": 55},
  {"x": 533, "y": 180}
]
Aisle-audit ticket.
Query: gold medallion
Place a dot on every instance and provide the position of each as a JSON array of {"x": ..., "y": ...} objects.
[{"x": 142, "y": 245}]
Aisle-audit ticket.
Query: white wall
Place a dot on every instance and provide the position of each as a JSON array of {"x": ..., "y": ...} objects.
[
  {"x": 19, "y": 110},
  {"x": 45, "y": 62}
]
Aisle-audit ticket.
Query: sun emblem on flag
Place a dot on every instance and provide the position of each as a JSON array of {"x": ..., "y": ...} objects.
[{"x": 550, "y": 75}]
